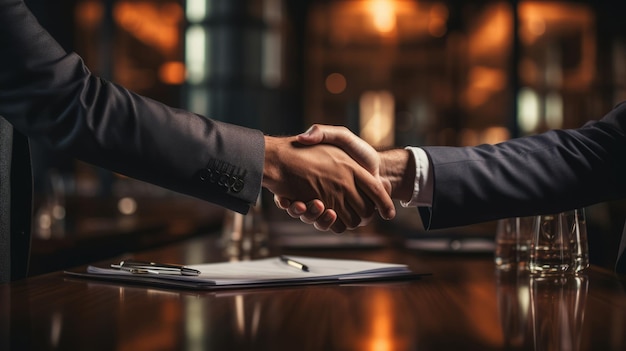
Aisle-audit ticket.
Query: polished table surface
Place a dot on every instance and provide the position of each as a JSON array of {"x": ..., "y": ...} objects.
[{"x": 466, "y": 304}]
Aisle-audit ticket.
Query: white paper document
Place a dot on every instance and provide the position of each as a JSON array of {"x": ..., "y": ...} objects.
[{"x": 264, "y": 272}]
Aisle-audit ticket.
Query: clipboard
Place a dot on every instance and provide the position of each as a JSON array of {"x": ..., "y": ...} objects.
[{"x": 266, "y": 272}]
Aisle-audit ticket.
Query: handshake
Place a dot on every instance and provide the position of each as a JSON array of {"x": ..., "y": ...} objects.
[{"x": 333, "y": 179}]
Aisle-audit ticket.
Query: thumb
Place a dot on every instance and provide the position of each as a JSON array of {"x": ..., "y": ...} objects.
[{"x": 313, "y": 135}]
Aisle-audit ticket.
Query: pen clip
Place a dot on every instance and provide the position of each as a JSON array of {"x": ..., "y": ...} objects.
[{"x": 144, "y": 267}]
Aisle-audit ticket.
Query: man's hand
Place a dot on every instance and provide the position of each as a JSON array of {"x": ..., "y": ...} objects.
[
  {"x": 395, "y": 168},
  {"x": 325, "y": 173},
  {"x": 315, "y": 212},
  {"x": 340, "y": 136}
]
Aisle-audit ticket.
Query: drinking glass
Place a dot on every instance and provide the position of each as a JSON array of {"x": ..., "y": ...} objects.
[
  {"x": 559, "y": 244},
  {"x": 513, "y": 238},
  {"x": 245, "y": 236}
]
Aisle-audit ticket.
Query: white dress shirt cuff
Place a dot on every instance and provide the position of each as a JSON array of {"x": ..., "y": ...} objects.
[{"x": 423, "y": 184}]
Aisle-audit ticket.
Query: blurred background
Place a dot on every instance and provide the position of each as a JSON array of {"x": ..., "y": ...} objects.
[{"x": 396, "y": 72}]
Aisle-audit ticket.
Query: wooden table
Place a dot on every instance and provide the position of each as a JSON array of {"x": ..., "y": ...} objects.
[{"x": 465, "y": 305}]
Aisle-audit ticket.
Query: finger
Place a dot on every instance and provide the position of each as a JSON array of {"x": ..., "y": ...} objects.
[
  {"x": 343, "y": 138},
  {"x": 361, "y": 210},
  {"x": 312, "y": 136},
  {"x": 355, "y": 222},
  {"x": 376, "y": 192},
  {"x": 368, "y": 213},
  {"x": 362, "y": 199},
  {"x": 336, "y": 135},
  {"x": 338, "y": 227},
  {"x": 346, "y": 213},
  {"x": 296, "y": 209},
  {"x": 281, "y": 202},
  {"x": 365, "y": 221},
  {"x": 326, "y": 220},
  {"x": 314, "y": 209}
]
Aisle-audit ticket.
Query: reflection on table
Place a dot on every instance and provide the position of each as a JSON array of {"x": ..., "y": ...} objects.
[
  {"x": 465, "y": 305},
  {"x": 541, "y": 312}
]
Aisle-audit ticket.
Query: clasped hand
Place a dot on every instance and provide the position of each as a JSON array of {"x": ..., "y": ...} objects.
[{"x": 327, "y": 177}]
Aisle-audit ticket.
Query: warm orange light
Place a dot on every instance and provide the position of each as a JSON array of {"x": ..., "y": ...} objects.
[
  {"x": 366, "y": 20},
  {"x": 382, "y": 336},
  {"x": 536, "y": 17},
  {"x": 154, "y": 25},
  {"x": 553, "y": 21},
  {"x": 494, "y": 135},
  {"x": 384, "y": 15},
  {"x": 89, "y": 14},
  {"x": 483, "y": 82},
  {"x": 376, "y": 118},
  {"x": 483, "y": 77},
  {"x": 172, "y": 72},
  {"x": 489, "y": 135},
  {"x": 437, "y": 27},
  {"x": 336, "y": 83},
  {"x": 481, "y": 309},
  {"x": 492, "y": 34},
  {"x": 439, "y": 10},
  {"x": 438, "y": 18}
]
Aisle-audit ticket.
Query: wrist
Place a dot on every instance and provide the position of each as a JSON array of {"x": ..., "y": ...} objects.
[
  {"x": 398, "y": 167},
  {"x": 271, "y": 168}
]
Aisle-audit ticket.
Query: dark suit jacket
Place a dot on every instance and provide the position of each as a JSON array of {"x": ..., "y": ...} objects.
[
  {"x": 49, "y": 95},
  {"x": 546, "y": 173}
]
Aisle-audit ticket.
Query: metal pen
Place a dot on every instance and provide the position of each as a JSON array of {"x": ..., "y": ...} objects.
[
  {"x": 141, "y": 267},
  {"x": 294, "y": 263}
]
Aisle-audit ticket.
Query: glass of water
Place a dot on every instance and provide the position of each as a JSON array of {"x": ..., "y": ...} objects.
[
  {"x": 513, "y": 237},
  {"x": 559, "y": 243}
]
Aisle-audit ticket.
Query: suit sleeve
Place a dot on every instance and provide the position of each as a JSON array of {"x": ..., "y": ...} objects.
[
  {"x": 546, "y": 173},
  {"x": 50, "y": 95}
]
